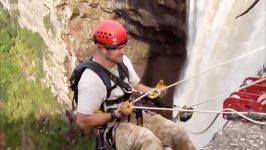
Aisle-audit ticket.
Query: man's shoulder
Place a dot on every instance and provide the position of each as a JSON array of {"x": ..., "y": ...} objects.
[
  {"x": 126, "y": 60},
  {"x": 90, "y": 76}
]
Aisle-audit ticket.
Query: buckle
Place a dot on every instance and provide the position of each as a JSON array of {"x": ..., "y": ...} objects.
[{"x": 129, "y": 90}]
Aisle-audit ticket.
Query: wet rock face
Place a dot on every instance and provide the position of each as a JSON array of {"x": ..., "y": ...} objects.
[
  {"x": 169, "y": 15},
  {"x": 239, "y": 135}
]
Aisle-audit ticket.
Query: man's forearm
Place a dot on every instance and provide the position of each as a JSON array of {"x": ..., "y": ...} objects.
[
  {"x": 142, "y": 88},
  {"x": 94, "y": 120}
]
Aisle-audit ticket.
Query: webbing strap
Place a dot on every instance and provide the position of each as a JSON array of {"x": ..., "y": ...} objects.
[
  {"x": 115, "y": 79},
  {"x": 116, "y": 101}
]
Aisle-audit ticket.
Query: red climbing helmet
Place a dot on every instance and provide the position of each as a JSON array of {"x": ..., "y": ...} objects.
[{"x": 110, "y": 34}]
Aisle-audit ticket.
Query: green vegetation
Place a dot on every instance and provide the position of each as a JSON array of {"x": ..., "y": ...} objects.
[{"x": 30, "y": 115}]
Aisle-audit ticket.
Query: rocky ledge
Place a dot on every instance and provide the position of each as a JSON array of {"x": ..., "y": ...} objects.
[{"x": 239, "y": 135}]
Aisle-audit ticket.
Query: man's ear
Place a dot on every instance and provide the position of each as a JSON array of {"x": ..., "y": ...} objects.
[
  {"x": 98, "y": 45},
  {"x": 101, "y": 49}
]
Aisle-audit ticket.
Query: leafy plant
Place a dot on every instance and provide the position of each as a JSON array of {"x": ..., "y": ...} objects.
[{"x": 31, "y": 117}]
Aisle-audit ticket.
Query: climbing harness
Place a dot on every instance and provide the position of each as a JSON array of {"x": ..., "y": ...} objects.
[
  {"x": 103, "y": 73},
  {"x": 106, "y": 76},
  {"x": 100, "y": 140}
]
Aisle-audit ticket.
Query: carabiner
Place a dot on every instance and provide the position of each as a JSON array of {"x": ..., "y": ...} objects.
[{"x": 129, "y": 90}]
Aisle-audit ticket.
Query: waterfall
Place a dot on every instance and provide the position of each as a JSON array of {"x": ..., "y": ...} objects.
[{"x": 215, "y": 36}]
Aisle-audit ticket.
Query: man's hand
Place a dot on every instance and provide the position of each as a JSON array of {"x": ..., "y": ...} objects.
[
  {"x": 154, "y": 94},
  {"x": 157, "y": 90},
  {"x": 125, "y": 109}
]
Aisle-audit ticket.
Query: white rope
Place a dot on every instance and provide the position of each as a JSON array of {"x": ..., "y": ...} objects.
[
  {"x": 245, "y": 117},
  {"x": 207, "y": 128},
  {"x": 192, "y": 110},
  {"x": 209, "y": 99},
  {"x": 228, "y": 109},
  {"x": 211, "y": 69},
  {"x": 142, "y": 96},
  {"x": 224, "y": 93},
  {"x": 219, "y": 65},
  {"x": 241, "y": 114}
]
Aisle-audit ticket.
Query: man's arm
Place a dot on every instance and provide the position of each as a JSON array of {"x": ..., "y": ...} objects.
[
  {"x": 157, "y": 97},
  {"x": 99, "y": 119},
  {"x": 90, "y": 99},
  {"x": 142, "y": 88},
  {"x": 94, "y": 120}
]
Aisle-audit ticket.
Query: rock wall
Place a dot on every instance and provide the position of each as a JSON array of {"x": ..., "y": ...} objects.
[
  {"x": 157, "y": 35},
  {"x": 38, "y": 16}
]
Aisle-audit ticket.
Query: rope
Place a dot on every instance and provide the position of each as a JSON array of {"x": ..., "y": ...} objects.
[
  {"x": 210, "y": 99},
  {"x": 245, "y": 117},
  {"x": 232, "y": 111},
  {"x": 142, "y": 96},
  {"x": 219, "y": 65},
  {"x": 225, "y": 124},
  {"x": 224, "y": 93},
  {"x": 215, "y": 118},
  {"x": 207, "y": 128},
  {"x": 208, "y": 70},
  {"x": 194, "y": 110}
]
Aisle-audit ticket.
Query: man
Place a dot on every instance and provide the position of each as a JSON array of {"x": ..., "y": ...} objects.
[{"x": 110, "y": 37}]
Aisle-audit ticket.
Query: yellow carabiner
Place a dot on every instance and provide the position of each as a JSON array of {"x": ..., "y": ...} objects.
[
  {"x": 126, "y": 108},
  {"x": 160, "y": 85}
]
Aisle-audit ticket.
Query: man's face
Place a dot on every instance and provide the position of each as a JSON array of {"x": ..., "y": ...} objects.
[{"x": 116, "y": 55}]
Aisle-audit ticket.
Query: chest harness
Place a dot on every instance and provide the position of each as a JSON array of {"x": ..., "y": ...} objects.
[{"x": 106, "y": 76}]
